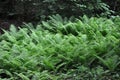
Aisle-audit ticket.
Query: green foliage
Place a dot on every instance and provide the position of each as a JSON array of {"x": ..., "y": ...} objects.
[
  {"x": 61, "y": 49},
  {"x": 41, "y": 9},
  {"x": 74, "y": 8},
  {"x": 114, "y": 5}
]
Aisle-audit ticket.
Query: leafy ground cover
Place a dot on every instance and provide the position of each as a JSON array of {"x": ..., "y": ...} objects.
[{"x": 62, "y": 49}]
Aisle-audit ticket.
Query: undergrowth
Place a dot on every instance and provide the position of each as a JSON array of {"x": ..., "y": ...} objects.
[{"x": 62, "y": 49}]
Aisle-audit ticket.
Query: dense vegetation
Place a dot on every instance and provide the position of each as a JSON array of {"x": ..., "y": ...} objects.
[
  {"x": 30, "y": 10},
  {"x": 65, "y": 40},
  {"x": 62, "y": 49}
]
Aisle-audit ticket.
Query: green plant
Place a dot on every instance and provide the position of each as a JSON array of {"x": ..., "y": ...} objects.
[
  {"x": 111, "y": 62},
  {"x": 61, "y": 48}
]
